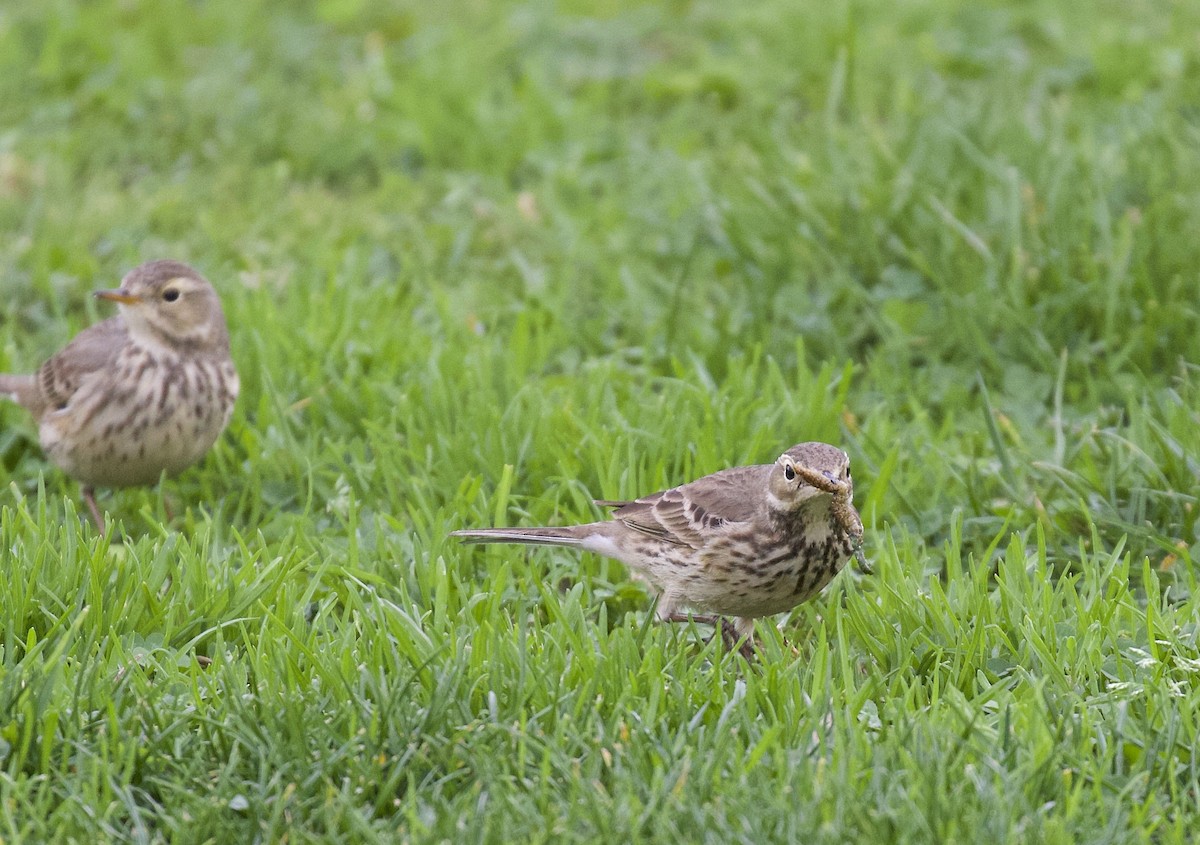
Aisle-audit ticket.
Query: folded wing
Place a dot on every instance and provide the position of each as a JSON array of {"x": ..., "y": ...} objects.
[{"x": 689, "y": 515}]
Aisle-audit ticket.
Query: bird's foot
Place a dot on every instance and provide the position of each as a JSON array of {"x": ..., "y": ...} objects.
[{"x": 734, "y": 639}]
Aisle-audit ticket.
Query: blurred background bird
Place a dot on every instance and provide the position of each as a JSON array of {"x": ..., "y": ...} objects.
[{"x": 141, "y": 394}]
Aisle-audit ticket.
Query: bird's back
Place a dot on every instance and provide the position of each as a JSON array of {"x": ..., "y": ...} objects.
[{"x": 693, "y": 513}]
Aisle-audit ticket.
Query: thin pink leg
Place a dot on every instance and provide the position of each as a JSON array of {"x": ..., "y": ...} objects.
[{"x": 89, "y": 499}]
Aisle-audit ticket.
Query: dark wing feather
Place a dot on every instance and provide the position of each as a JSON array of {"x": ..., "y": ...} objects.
[
  {"x": 689, "y": 514},
  {"x": 94, "y": 348}
]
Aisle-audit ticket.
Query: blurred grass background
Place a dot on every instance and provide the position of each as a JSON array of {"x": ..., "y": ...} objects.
[{"x": 484, "y": 262}]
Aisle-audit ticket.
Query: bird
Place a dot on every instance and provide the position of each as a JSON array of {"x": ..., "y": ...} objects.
[
  {"x": 143, "y": 393},
  {"x": 744, "y": 542}
]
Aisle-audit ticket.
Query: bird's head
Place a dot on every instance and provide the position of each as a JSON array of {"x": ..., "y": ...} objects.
[
  {"x": 170, "y": 303},
  {"x": 807, "y": 471}
]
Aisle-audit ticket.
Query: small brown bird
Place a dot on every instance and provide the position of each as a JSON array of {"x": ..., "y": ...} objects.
[
  {"x": 743, "y": 542},
  {"x": 140, "y": 394}
]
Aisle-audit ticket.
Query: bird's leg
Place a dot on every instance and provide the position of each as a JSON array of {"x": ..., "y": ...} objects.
[
  {"x": 89, "y": 499},
  {"x": 698, "y": 618}
]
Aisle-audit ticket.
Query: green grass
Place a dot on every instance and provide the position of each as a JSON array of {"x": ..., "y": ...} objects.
[{"x": 485, "y": 262}]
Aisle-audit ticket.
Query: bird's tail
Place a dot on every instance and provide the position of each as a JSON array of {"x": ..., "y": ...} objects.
[{"x": 566, "y": 536}]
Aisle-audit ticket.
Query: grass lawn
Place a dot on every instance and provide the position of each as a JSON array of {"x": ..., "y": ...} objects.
[{"x": 484, "y": 262}]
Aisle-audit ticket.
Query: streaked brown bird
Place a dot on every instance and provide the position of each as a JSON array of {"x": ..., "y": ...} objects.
[
  {"x": 143, "y": 393},
  {"x": 743, "y": 542}
]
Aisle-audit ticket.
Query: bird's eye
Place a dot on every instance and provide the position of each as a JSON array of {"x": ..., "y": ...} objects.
[
  {"x": 789, "y": 472},
  {"x": 171, "y": 294}
]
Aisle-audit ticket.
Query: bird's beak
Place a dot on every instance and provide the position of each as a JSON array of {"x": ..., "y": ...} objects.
[{"x": 117, "y": 295}]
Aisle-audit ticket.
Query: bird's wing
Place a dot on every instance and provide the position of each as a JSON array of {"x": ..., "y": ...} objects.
[
  {"x": 690, "y": 514},
  {"x": 94, "y": 348}
]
